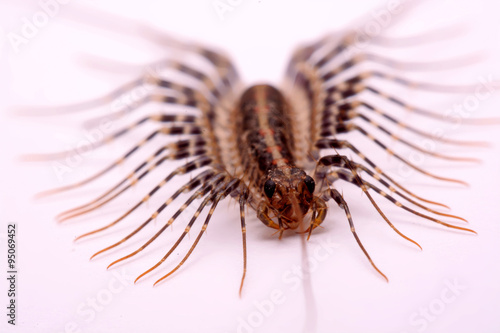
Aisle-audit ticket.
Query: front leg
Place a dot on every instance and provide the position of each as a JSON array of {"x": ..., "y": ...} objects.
[
  {"x": 319, "y": 209},
  {"x": 263, "y": 215}
]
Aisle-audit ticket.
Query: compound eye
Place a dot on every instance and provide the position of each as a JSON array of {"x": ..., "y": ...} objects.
[
  {"x": 269, "y": 188},
  {"x": 310, "y": 184}
]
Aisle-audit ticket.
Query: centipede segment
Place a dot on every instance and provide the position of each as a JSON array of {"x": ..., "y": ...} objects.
[{"x": 277, "y": 151}]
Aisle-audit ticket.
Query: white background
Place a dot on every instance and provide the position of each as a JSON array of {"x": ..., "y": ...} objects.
[{"x": 56, "y": 283}]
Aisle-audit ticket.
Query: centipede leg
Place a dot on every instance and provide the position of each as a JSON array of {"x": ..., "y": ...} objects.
[
  {"x": 348, "y": 178},
  {"x": 337, "y": 197},
  {"x": 198, "y": 180},
  {"x": 107, "y": 197},
  {"x": 229, "y": 187},
  {"x": 198, "y": 194},
  {"x": 242, "y": 201},
  {"x": 343, "y": 162}
]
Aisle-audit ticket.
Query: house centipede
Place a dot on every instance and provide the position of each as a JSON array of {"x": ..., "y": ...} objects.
[{"x": 277, "y": 165}]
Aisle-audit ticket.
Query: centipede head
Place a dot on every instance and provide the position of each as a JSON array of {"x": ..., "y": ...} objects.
[{"x": 289, "y": 192}]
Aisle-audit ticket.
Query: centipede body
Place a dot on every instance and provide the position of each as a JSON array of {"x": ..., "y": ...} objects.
[
  {"x": 265, "y": 145},
  {"x": 357, "y": 115}
]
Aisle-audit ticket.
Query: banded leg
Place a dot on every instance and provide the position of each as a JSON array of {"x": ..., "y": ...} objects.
[
  {"x": 339, "y": 174},
  {"x": 133, "y": 178},
  {"x": 319, "y": 97},
  {"x": 353, "y": 81},
  {"x": 227, "y": 189},
  {"x": 361, "y": 58},
  {"x": 337, "y": 197},
  {"x": 341, "y": 144},
  {"x": 331, "y": 127},
  {"x": 408, "y": 107},
  {"x": 223, "y": 65},
  {"x": 215, "y": 91},
  {"x": 243, "y": 201},
  {"x": 347, "y": 111},
  {"x": 194, "y": 183},
  {"x": 378, "y": 172},
  {"x": 187, "y": 125},
  {"x": 360, "y": 167},
  {"x": 178, "y": 150},
  {"x": 206, "y": 188},
  {"x": 338, "y": 93},
  {"x": 340, "y": 161},
  {"x": 305, "y": 54},
  {"x": 102, "y": 200},
  {"x": 351, "y": 127}
]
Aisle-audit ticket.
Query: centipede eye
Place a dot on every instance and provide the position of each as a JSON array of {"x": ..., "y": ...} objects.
[
  {"x": 310, "y": 184},
  {"x": 269, "y": 188}
]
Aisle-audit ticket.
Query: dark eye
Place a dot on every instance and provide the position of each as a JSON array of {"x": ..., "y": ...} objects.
[
  {"x": 310, "y": 184},
  {"x": 269, "y": 187}
]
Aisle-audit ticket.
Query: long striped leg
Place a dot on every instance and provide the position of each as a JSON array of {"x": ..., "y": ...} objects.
[
  {"x": 340, "y": 174},
  {"x": 243, "y": 201},
  {"x": 360, "y": 129},
  {"x": 307, "y": 56},
  {"x": 330, "y": 143},
  {"x": 423, "y": 112},
  {"x": 229, "y": 187},
  {"x": 378, "y": 172},
  {"x": 347, "y": 111},
  {"x": 340, "y": 144},
  {"x": 361, "y": 58},
  {"x": 183, "y": 95},
  {"x": 348, "y": 88},
  {"x": 190, "y": 186},
  {"x": 215, "y": 91},
  {"x": 225, "y": 68},
  {"x": 329, "y": 128},
  {"x": 206, "y": 188},
  {"x": 210, "y": 198},
  {"x": 355, "y": 84},
  {"x": 337, "y": 197},
  {"x": 360, "y": 167},
  {"x": 133, "y": 179},
  {"x": 333, "y": 102},
  {"x": 351, "y": 38},
  {"x": 220, "y": 62},
  {"x": 203, "y": 204},
  {"x": 321, "y": 98},
  {"x": 109, "y": 168},
  {"x": 395, "y": 64},
  {"x": 326, "y": 162},
  {"x": 188, "y": 125},
  {"x": 178, "y": 149}
]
